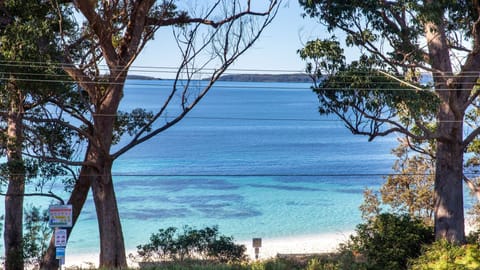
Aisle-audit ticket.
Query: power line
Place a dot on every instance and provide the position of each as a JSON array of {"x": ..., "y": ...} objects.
[
  {"x": 336, "y": 175},
  {"x": 160, "y": 67}
]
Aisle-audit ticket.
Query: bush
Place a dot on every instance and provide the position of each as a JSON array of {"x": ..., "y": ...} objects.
[
  {"x": 171, "y": 245},
  {"x": 386, "y": 241},
  {"x": 445, "y": 256},
  {"x": 37, "y": 235}
]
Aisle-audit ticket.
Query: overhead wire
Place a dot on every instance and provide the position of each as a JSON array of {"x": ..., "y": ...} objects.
[{"x": 158, "y": 83}]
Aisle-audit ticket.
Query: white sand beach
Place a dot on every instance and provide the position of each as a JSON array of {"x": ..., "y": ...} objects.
[{"x": 306, "y": 244}]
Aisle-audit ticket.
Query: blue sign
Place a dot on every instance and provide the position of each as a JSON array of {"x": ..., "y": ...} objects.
[{"x": 60, "y": 253}]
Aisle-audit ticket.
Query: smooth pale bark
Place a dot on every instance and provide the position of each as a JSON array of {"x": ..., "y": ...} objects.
[
  {"x": 13, "y": 232},
  {"x": 112, "y": 247},
  {"x": 448, "y": 188}
]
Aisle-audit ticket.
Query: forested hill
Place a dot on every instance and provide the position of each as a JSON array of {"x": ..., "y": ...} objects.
[
  {"x": 141, "y": 77},
  {"x": 300, "y": 77}
]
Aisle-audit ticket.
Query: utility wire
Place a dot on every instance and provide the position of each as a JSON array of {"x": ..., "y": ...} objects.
[{"x": 258, "y": 175}]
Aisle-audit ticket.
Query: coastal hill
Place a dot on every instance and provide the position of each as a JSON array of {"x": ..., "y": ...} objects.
[
  {"x": 298, "y": 77},
  {"x": 141, "y": 77}
]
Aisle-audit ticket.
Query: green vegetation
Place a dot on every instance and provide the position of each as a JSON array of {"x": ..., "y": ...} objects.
[
  {"x": 386, "y": 241},
  {"x": 380, "y": 91},
  {"x": 299, "y": 77},
  {"x": 192, "y": 244},
  {"x": 445, "y": 256},
  {"x": 37, "y": 234}
]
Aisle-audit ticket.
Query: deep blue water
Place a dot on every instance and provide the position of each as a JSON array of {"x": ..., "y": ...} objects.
[{"x": 256, "y": 159}]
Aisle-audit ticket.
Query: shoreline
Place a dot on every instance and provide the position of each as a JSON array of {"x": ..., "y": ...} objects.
[
  {"x": 271, "y": 247},
  {"x": 301, "y": 244}
]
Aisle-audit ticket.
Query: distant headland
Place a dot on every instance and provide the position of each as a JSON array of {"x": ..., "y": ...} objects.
[
  {"x": 141, "y": 77},
  {"x": 296, "y": 78}
]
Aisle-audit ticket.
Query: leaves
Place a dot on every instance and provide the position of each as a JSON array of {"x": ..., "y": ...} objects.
[
  {"x": 132, "y": 122},
  {"x": 207, "y": 243}
]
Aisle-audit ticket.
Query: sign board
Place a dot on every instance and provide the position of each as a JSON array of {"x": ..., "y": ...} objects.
[
  {"x": 60, "y": 253},
  {"x": 257, "y": 242},
  {"x": 60, "y": 237},
  {"x": 60, "y": 216}
]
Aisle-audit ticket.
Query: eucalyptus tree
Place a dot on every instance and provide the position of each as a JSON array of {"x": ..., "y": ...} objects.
[
  {"x": 383, "y": 92},
  {"x": 210, "y": 36},
  {"x": 27, "y": 45}
]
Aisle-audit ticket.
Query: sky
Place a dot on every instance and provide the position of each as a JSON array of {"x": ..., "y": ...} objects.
[{"x": 274, "y": 52}]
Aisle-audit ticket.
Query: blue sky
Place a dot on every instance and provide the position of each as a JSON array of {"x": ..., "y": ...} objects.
[{"x": 276, "y": 50}]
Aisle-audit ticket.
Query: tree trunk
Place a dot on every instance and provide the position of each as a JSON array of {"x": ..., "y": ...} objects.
[
  {"x": 449, "y": 212},
  {"x": 77, "y": 200},
  {"x": 13, "y": 233},
  {"x": 112, "y": 247}
]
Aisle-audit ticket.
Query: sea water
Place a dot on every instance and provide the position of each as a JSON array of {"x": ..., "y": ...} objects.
[{"x": 256, "y": 159}]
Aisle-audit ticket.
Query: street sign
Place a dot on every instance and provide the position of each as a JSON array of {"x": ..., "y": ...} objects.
[
  {"x": 60, "y": 237},
  {"x": 257, "y": 244},
  {"x": 60, "y": 216},
  {"x": 60, "y": 253}
]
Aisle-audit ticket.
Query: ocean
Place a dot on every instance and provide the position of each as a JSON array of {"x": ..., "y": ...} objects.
[{"x": 256, "y": 159}]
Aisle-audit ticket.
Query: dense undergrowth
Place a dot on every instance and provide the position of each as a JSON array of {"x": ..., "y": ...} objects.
[{"x": 384, "y": 241}]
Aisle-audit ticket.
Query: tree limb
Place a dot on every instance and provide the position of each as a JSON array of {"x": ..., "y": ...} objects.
[{"x": 50, "y": 195}]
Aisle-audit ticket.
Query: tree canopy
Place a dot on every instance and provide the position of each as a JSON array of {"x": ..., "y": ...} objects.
[{"x": 416, "y": 75}]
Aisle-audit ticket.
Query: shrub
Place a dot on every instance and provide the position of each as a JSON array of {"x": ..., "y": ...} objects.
[
  {"x": 171, "y": 245},
  {"x": 442, "y": 255},
  {"x": 37, "y": 234},
  {"x": 387, "y": 241}
]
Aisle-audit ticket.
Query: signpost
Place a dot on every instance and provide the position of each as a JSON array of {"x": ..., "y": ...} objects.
[
  {"x": 257, "y": 244},
  {"x": 60, "y": 216},
  {"x": 60, "y": 237},
  {"x": 60, "y": 255},
  {"x": 60, "y": 219}
]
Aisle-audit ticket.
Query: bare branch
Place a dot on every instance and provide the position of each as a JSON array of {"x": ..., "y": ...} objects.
[
  {"x": 50, "y": 195},
  {"x": 184, "y": 19}
]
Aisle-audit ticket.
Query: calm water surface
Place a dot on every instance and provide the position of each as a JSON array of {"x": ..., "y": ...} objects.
[{"x": 256, "y": 159}]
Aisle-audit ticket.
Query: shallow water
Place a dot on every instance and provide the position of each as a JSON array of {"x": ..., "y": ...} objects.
[{"x": 256, "y": 159}]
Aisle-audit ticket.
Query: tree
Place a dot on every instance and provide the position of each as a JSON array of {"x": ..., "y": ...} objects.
[
  {"x": 114, "y": 33},
  {"x": 26, "y": 37},
  {"x": 382, "y": 92},
  {"x": 37, "y": 232},
  {"x": 410, "y": 189}
]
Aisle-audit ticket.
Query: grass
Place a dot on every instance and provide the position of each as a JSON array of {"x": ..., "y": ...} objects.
[{"x": 282, "y": 263}]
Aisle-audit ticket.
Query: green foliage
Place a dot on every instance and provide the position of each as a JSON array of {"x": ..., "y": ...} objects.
[
  {"x": 317, "y": 264},
  {"x": 387, "y": 241},
  {"x": 327, "y": 56},
  {"x": 169, "y": 244},
  {"x": 442, "y": 255},
  {"x": 367, "y": 100},
  {"x": 410, "y": 189},
  {"x": 131, "y": 122},
  {"x": 37, "y": 235}
]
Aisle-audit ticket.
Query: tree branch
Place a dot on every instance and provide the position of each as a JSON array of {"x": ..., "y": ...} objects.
[
  {"x": 183, "y": 19},
  {"x": 50, "y": 195}
]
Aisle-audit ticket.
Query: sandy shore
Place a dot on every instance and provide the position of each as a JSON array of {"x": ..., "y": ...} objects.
[
  {"x": 270, "y": 248},
  {"x": 298, "y": 244},
  {"x": 306, "y": 244}
]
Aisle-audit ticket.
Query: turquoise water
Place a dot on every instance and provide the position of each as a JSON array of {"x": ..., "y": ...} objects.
[{"x": 256, "y": 159}]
